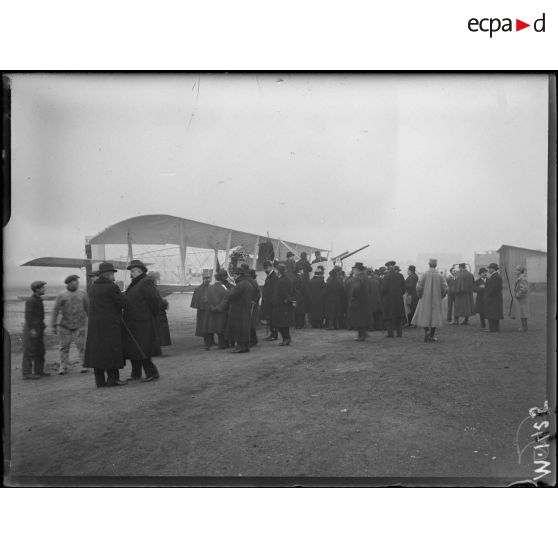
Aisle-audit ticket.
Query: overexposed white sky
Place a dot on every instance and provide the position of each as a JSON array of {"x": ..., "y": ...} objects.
[{"x": 409, "y": 163}]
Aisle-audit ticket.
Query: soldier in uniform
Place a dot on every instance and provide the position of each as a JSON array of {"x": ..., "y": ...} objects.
[
  {"x": 73, "y": 306},
  {"x": 33, "y": 364},
  {"x": 103, "y": 345}
]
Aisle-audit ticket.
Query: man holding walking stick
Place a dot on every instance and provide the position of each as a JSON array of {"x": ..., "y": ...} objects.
[{"x": 140, "y": 335}]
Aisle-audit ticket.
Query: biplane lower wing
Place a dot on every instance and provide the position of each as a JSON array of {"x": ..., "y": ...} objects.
[{"x": 71, "y": 262}]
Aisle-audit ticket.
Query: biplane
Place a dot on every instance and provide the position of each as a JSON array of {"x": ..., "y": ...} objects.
[{"x": 179, "y": 250}]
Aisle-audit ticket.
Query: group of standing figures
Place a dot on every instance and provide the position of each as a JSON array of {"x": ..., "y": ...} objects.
[{"x": 133, "y": 326}]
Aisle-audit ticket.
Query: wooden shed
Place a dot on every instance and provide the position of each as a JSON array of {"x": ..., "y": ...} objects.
[{"x": 533, "y": 260}]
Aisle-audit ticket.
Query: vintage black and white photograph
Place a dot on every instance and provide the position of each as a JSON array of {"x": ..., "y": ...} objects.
[{"x": 277, "y": 279}]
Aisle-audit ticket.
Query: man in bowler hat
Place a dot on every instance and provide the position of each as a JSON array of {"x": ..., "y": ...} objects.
[
  {"x": 140, "y": 335},
  {"x": 33, "y": 364},
  {"x": 103, "y": 344}
]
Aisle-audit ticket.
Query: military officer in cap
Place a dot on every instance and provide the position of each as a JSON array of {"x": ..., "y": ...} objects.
[
  {"x": 72, "y": 306},
  {"x": 140, "y": 335},
  {"x": 393, "y": 289},
  {"x": 33, "y": 364},
  {"x": 103, "y": 344}
]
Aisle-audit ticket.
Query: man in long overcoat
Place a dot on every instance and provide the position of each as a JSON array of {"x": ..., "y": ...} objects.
[
  {"x": 302, "y": 296},
  {"x": 479, "y": 287},
  {"x": 255, "y": 308},
  {"x": 33, "y": 363},
  {"x": 464, "y": 303},
  {"x": 493, "y": 299},
  {"x": 334, "y": 295},
  {"x": 431, "y": 289},
  {"x": 141, "y": 329},
  {"x": 239, "y": 321},
  {"x": 103, "y": 345},
  {"x": 411, "y": 292},
  {"x": 290, "y": 266},
  {"x": 199, "y": 302},
  {"x": 283, "y": 300},
  {"x": 162, "y": 319},
  {"x": 266, "y": 309},
  {"x": 358, "y": 302},
  {"x": 375, "y": 298},
  {"x": 304, "y": 265},
  {"x": 316, "y": 292},
  {"x": 393, "y": 306},
  {"x": 218, "y": 308}
]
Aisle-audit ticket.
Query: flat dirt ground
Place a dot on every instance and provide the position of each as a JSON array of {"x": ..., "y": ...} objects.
[{"x": 390, "y": 410}]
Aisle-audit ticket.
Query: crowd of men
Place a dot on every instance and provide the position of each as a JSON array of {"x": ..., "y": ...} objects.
[{"x": 109, "y": 326}]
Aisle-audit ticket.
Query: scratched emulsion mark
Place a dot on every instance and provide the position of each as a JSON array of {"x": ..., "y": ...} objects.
[{"x": 537, "y": 438}]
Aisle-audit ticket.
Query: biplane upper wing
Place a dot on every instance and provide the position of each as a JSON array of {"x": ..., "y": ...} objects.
[
  {"x": 167, "y": 229},
  {"x": 70, "y": 262}
]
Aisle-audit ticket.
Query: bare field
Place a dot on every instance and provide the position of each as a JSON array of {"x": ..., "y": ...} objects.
[{"x": 324, "y": 407}]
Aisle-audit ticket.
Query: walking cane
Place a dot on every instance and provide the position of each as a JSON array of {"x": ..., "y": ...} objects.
[{"x": 143, "y": 355}]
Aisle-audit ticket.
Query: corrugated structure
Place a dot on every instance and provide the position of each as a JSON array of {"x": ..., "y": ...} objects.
[
  {"x": 482, "y": 259},
  {"x": 533, "y": 260}
]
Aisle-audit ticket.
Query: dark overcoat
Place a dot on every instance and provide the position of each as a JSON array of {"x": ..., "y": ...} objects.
[
  {"x": 255, "y": 308},
  {"x": 283, "y": 297},
  {"x": 218, "y": 306},
  {"x": 393, "y": 289},
  {"x": 301, "y": 295},
  {"x": 103, "y": 345},
  {"x": 199, "y": 301},
  {"x": 266, "y": 310},
  {"x": 479, "y": 287},
  {"x": 493, "y": 299},
  {"x": 358, "y": 300},
  {"x": 141, "y": 316},
  {"x": 305, "y": 266},
  {"x": 334, "y": 295},
  {"x": 316, "y": 292},
  {"x": 411, "y": 290},
  {"x": 464, "y": 303},
  {"x": 240, "y": 301},
  {"x": 34, "y": 319},
  {"x": 164, "y": 330},
  {"x": 374, "y": 294}
]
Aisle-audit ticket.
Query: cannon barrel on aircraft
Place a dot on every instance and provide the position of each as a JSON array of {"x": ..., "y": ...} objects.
[{"x": 345, "y": 256}]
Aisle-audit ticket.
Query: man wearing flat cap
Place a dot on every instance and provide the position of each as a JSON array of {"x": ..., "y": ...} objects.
[
  {"x": 33, "y": 363},
  {"x": 393, "y": 305},
  {"x": 464, "y": 305},
  {"x": 493, "y": 299},
  {"x": 103, "y": 344},
  {"x": 141, "y": 330},
  {"x": 72, "y": 306}
]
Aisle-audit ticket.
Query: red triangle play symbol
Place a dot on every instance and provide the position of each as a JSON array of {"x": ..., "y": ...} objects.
[{"x": 519, "y": 25}]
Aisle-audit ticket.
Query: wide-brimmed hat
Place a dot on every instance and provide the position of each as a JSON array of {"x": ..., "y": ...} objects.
[
  {"x": 390, "y": 263},
  {"x": 37, "y": 285},
  {"x": 493, "y": 266},
  {"x": 359, "y": 266},
  {"x": 482, "y": 270},
  {"x": 106, "y": 266},
  {"x": 137, "y": 263},
  {"x": 71, "y": 278}
]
